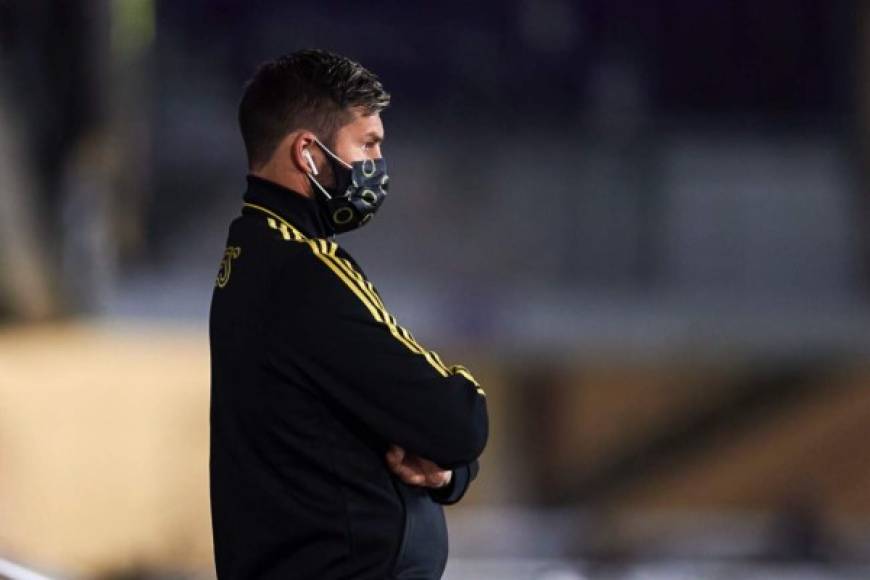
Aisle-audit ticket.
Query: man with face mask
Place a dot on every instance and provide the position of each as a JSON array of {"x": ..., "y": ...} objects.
[{"x": 335, "y": 436}]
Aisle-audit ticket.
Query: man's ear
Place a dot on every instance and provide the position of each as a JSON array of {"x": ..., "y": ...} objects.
[{"x": 303, "y": 150}]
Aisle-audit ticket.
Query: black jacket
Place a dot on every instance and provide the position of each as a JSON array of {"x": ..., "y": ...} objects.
[{"x": 311, "y": 380}]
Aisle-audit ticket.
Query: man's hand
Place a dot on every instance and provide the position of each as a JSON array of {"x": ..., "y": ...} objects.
[{"x": 415, "y": 470}]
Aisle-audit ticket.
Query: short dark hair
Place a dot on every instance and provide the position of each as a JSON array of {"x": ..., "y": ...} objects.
[{"x": 311, "y": 89}]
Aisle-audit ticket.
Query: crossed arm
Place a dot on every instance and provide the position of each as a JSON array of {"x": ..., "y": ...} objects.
[{"x": 435, "y": 416}]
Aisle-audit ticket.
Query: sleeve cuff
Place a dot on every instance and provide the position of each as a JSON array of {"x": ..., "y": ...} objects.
[{"x": 453, "y": 492}]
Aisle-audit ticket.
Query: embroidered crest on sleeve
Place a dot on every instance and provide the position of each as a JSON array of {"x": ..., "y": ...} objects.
[{"x": 223, "y": 275}]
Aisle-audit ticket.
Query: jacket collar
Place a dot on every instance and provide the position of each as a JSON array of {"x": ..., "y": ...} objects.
[{"x": 302, "y": 212}]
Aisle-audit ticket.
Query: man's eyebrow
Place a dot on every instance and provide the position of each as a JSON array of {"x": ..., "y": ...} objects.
[{"x": 374, "y": 136}]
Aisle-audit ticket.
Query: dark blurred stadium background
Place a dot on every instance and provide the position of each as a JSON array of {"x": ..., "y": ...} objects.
[{"x": 642, "y": 223}]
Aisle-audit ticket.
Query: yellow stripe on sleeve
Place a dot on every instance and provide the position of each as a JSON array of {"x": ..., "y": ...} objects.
[{"x": 325, "y": 251}]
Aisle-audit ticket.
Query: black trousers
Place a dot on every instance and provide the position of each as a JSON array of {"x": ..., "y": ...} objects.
[{"x": 423, "y": 553}]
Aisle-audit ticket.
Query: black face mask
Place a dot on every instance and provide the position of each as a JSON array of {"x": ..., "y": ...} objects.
[{"x": 359, "y": 190}]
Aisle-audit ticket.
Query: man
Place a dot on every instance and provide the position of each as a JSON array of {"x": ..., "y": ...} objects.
[{"x": 335, "y": 436}]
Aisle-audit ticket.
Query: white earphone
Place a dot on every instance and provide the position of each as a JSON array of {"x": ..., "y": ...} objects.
[{"x": 307, "y": 154}]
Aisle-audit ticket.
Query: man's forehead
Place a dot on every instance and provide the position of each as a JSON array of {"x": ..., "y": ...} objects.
[{"x": 363, "y": 124}]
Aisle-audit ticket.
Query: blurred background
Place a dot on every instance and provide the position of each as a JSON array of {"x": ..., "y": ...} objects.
[{"x": 642, "y": 225}]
